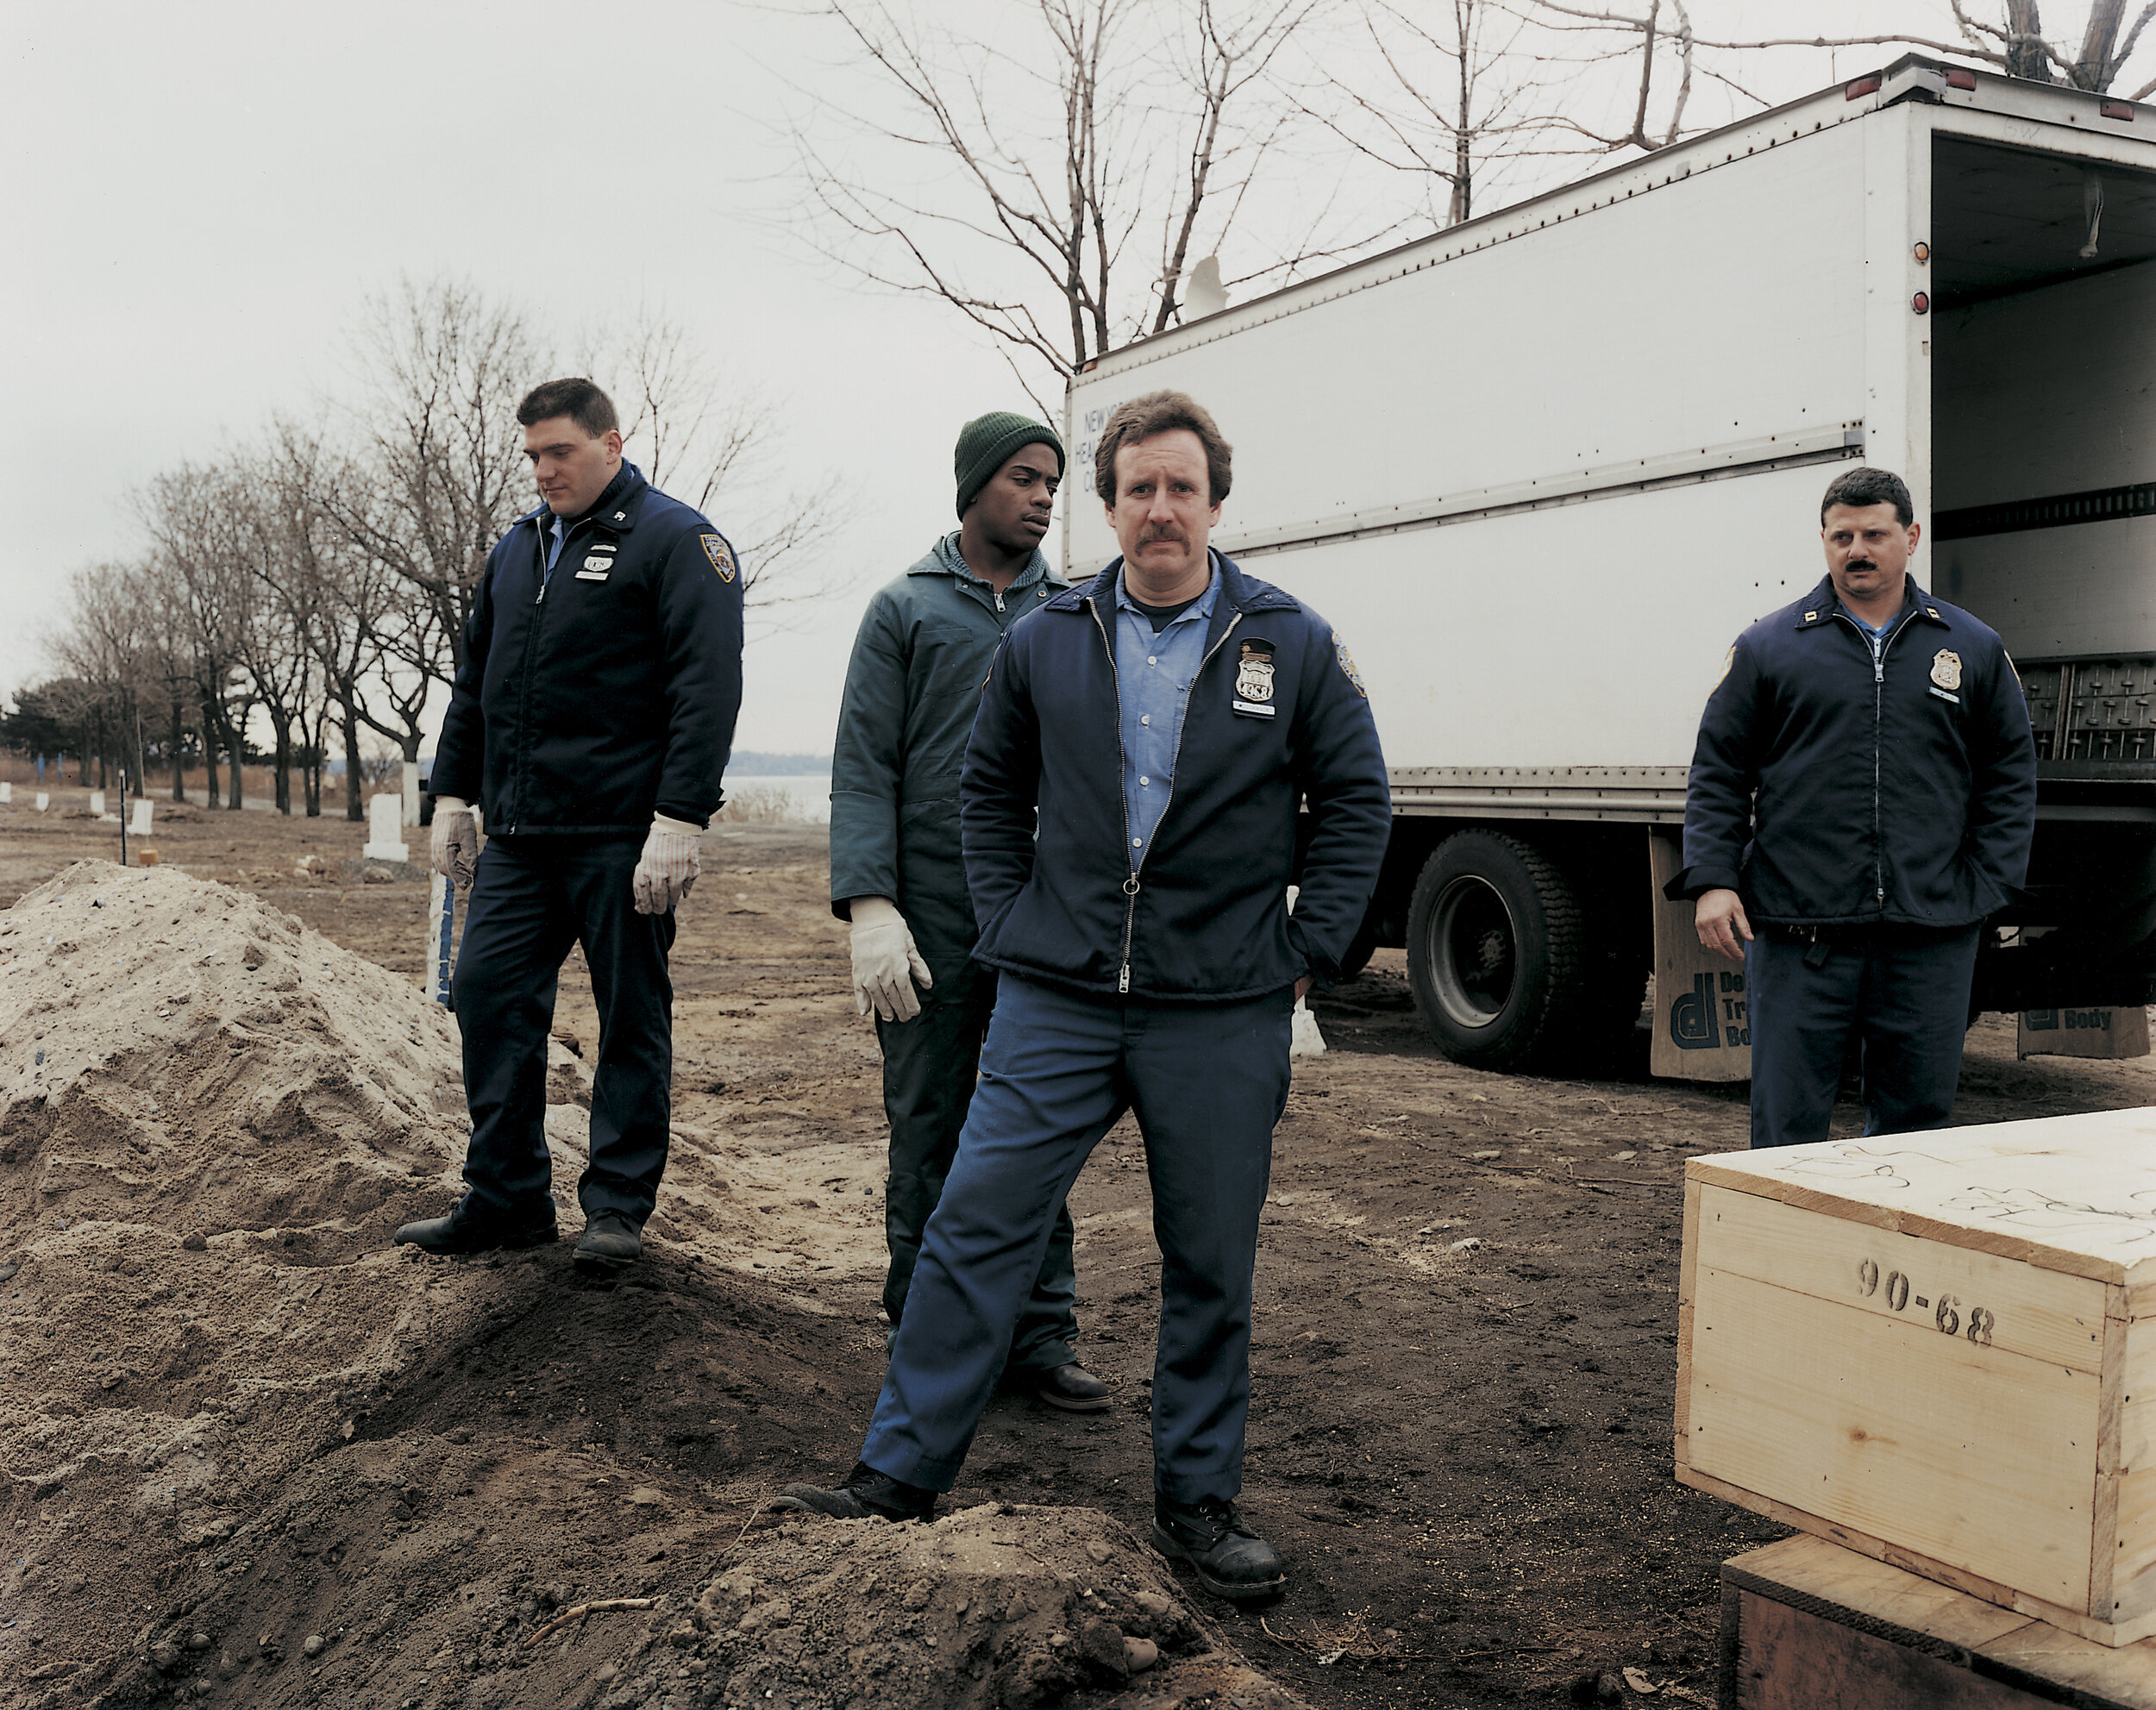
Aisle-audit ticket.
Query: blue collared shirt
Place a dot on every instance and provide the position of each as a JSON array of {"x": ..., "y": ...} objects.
[
  {"x": 559, "y": 532},
  {"x": 1877, "y": 637},
  {"x": 1154, "y": 673}
]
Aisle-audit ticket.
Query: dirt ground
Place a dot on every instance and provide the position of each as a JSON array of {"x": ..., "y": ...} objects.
[{"x": 1463, "y": 1370}]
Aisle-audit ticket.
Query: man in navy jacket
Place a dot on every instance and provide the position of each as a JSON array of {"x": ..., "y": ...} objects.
[
  {"x": 1129, "y": 815},
  {"x": 592, "y": 719},
  {"x": 1863, "y": 794}
]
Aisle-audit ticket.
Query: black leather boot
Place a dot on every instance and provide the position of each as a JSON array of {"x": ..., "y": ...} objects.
[
  {"x": 1232, "y": 1561},
  {"x": 865, "y": 1494}
]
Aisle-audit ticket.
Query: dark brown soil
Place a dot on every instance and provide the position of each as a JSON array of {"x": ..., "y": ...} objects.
[{"x": 1462, "y": 1373}]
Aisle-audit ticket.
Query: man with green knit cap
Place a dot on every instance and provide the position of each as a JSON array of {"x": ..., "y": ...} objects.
[{"x": 897, "y": 873}]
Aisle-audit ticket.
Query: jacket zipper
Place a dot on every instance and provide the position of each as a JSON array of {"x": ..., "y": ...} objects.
[
  {"x": 1131, "y": 886},
  {"x": 1878, "y": 720},
  {"x": 531, "y": 639}
]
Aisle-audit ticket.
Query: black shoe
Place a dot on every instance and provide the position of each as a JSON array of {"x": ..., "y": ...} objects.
[
  {"x": 1071, "y": 1388},
  {"x": 459, "y": 1233},
  {"x": 866, "y": 1495},
  {"x": 608, "y": 1245},
  {"x": 1232, "y": 1561}
]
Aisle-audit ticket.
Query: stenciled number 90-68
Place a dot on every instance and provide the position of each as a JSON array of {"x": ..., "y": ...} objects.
[{"x": 1946, "y": 1314}]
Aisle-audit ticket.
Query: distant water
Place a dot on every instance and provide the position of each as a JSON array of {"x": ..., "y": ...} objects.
[{"x": 807, "y": 795}]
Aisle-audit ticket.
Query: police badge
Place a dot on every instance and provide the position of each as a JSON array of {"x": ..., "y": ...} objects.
[
  {"x": 721, "y": 555},
  {"x": 1254, "y": 679},
  {"x": 1946, "y": 669}
]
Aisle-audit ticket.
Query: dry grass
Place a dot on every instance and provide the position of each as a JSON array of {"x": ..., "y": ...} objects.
[{"x": 759, "y": 805}]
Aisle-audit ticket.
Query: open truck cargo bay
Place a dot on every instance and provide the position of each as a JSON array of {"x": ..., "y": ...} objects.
[{"x": 1541, "y": 468}]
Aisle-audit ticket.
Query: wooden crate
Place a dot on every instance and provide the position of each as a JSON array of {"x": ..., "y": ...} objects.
[
  {"x": 1938, "y": 1350},
  {"x": 1809, "y": 1625}
]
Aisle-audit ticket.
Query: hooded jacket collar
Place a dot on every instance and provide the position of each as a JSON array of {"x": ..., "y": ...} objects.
[{"x": 944, "y": 559}]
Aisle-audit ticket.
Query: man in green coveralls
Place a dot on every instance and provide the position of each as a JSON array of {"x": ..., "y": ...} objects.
[{"x": 897, "y": 872}]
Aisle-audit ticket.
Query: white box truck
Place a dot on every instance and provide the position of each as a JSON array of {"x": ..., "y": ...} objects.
[{"x": 1540, "y": 469}]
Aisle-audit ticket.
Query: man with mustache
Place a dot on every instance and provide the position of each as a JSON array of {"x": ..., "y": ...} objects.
[
  {"x": 1130, "y": 812},
  {"x": 592, "y": 719},
  {"x": 918, "y": 663},
  {"x": 1863, "y": 794}
]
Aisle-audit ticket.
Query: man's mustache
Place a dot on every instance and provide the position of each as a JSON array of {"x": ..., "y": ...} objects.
[
  {"x": 1163, "y": 532},
  {"x": 1860, "y": 564}
]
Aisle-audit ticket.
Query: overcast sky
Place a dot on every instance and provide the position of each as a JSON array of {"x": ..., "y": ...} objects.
[{"x": 201, "y": 196}]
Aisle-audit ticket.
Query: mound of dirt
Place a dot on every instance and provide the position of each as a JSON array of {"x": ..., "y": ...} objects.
[
  {"x": 999, "y": 1605},
  {"x": 256, "y": 1456}
]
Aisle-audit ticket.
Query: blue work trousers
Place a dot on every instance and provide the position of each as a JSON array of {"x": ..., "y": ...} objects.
[
  {"x": 1208, "y": 1085},
  {"x": 931, "y": 1065},
  {"x": 1901, "y": 994},
  {"x": 534, "y": 898}
]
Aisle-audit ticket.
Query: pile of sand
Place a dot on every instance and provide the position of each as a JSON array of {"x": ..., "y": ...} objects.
[{"x": 997, "y": 1605}]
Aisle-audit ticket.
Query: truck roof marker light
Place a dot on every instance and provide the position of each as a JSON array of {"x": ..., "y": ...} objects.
[
  {"x": 2116, "y": 110},
  {"x": 1922, "y": 252},
  {"x": 1864, "y": 86},
  {"x": 1960, "y": 77},
  {"x": 1920, "y": 303}
]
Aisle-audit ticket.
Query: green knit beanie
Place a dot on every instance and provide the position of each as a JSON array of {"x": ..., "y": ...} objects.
[{"x": 987, "y": 442}]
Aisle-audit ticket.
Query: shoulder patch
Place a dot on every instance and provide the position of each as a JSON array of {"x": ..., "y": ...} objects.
[
  {"x": 720, "y": 553},
  {"x": 1347, "y": 665},
  {"x": 1728, "y": 660}
]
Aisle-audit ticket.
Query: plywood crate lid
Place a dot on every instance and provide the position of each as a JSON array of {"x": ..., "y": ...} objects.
[{"x": 2072, "y": 1193}]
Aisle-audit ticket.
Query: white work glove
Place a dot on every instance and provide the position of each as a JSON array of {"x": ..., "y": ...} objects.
[
  {"x": 668, "y": 866},
  {"x": 454, "y": 851},
  {"x": 884, "y": 957}
]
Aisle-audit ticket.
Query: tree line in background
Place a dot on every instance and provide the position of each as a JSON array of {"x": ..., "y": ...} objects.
[{"x": 310, "y": 587}]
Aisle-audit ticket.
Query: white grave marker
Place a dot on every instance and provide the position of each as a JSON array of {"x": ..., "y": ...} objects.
[
  {"x": 385, "y": 828},
  {"x": 138, "y": 826},
  {"x": 97, "y": 803},
  {"x": 44, "y": 800},
  {"x": 7, "y": 793}
]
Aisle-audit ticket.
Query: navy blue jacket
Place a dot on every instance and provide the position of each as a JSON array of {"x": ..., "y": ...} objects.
[
  {"x": 590, "y": 700},
  {"x": 1904, "y": 795},
  {"x": 1203, "y": 917}
]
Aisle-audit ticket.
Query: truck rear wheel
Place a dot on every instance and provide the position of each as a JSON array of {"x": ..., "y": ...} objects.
[{"x": 1503, "y": 958}]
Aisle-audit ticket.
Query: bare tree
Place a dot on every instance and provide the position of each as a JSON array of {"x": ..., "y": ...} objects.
[
  {"x": 2011, "y": 39},
  {"x": 1504, "y": 83},
  {"x": 105, "y": 646},
  {"x": 352, "y": 602},
  {"x": 719, "y": 447},
  {"x": 182, "y": 512},
  {"x": 1455, "y": 102},
  {"x": 437, "y": 469},
  {"x": 1045, "y": 154}
]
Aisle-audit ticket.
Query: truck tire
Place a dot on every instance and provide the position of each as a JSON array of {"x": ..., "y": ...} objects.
[{"x": 1503, "y": 958}]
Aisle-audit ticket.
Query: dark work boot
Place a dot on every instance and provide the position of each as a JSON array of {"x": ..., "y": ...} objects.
[
  {"x": 1232, "y": 1561},
  {"x": 1070, "y": 1388},
  {"x": 865, "y": 1494},
  {"x": 459, "y": 1233},
  {"x": 608, "y": 1245}
]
